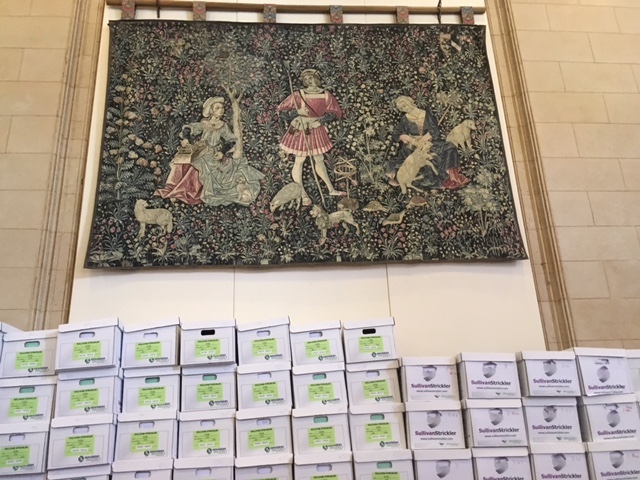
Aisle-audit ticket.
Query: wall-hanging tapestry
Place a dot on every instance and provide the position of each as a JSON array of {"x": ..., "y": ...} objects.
[{"x": 257, "y": 144}]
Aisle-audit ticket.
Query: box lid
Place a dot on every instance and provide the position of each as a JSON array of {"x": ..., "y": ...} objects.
[
  {"x": 391, "y": 407},
  {"x": 485, "y": 357},
  {"x": 490, "y": 452},
  {"x": 374, "y": 322},
  {"x": 545, "y": 355},
  {"x": 85, "y": 472},
  {"x": 26, "y": 427},
  {"x": 207, "y": 415},
  {"x": 315, "y": 327},
  {"x": 372, "y": 366},
  {"x": 80, "y": 420},
  {"x": 381, "y": 455},
  {"x": 263, "y": 460},
  {"x": 432, "y": 405},
  {"x": 424, "y": 361},
  {"x": 206, "y": 324},
  {"x": 34, "y": 335},
  {"x": 545, "y": 401},
  {"x": 611, "y": 445},
  {"x": 556, "y": 447},
  {"x": 140, "y": 465},
  {"x": 105, "y": 322},
  {"x": 6, "y": 328},
  {"x": 91, "y": 373},
  {"x": 318, "y": 368},
  {"x": 209, "y": 369},
  {"x": 249, "y": 413},
  {"x": 151, "y": 371},
  {"x": 312, "y": 412},
  {"x": 599, "y": 352},
  {"x": 633, "y": 353},
  {"x": 490, "y": 403},
  {"x": 203, "y": 462},
  {"x": 277, "y": 366},
  {"x": 448, "y": 454},
  {"x": 168, "y": 414},
  {"x": 607, "y": 399},
  {"x": 28, "y": 381},
  {"x": 137, "y": 327},
  {"x": 244, "y": 327},
  {"x": 322, "y": 458}
]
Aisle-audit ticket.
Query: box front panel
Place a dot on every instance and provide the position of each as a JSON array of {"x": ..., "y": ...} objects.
[
  {"x": 492, "y": 379},
  {"x": 373, "y": 387},
  {"x": 621, "y": 465},
  {"x": 392, "y": 470},
  {"x": 321, "y": 433},
  {"x": 309, "y": 349},
  {"x": 613, "y": 421},
  {"x": 560, "y": 466},
  {"x": 264, "y": 390},
  {"x": 151, "y": 394},
  {"x": 553, "y": 423},
  {"x": 149, "y": 440},
  {"x": 23, "y": 454},
  {"x": 497, "y": 427},
  {"x": 150, "y": 349},
  {"x": 68, "y": 449},
  {"x": 206, "y": 438},
  {"x": 198, "y": 349},
  {"x": 29, "y": 358},
  {"x": 503, "y": 468},
  {"x": 208, "y": 392},
  {"x": 604, "y": 375},
  {"x": 320, "y": 390},
  {"x": 26, "y": 404},
  {"x": 444, "y": 468},
  {"x": 552, "y": 378},
  {"x": 324, "y": 471},
  {"x": 263, "y": 437},
  {"x": 88, "y": 396},
  {"x": 79, "y": 350},
  {"x": 434, "y": 429},
  {"x": 377, "y": 431},
  {"x": 209, "y": 473},
  {"x": 430, "y": 382},
  {"x": 266, "y": 472}
]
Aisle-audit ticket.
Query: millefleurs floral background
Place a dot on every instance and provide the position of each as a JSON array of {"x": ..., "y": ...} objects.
[{"x": 160, "y": 74}]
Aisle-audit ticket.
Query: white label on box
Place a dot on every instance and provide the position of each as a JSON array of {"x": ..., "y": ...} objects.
[
  {"x": 604, "y": 375},
  {"x": 493, "y": 427},
  {"x": 560, "y": 466},
  {"x": 552, "y": 423},
  {"x": 553, "y": 378},
  {"x": 503, "y": 468},
  {"x": 430, "y": 382},
  {"x": 447, "y": 469},
  {"x": 614, "y": 421},
  {"x": 621, "y": 465},
  {"x": 436, "y": 429},
  {"x": 492, "y": 379}
]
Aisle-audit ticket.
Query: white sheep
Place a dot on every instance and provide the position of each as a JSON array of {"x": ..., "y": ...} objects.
[{"x": 152, "y": 216}]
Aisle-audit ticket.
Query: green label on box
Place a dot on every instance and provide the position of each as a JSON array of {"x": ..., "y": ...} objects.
[
  {"x": 14, "y": 456},
  {"x": 318, "y": 348},
  {"x": 85, "y": 398},
  {"x": 27, "y": 360},
  {"x": 325, "y": 477},
  {"x": 86, "y": 351},
  {"x": 319, "y": 437},
  {"x": 152, "y": 396},
  {"x": 208, "y": 348},
  {"x": 263, "y": 438},
  {"x": 264, "y": 392},
  {"x": 378, "y": 432},
  {"x": 207, "y": 392},
  {"x": 376, "y": 388},
  {"x": 264, "y": 346},
  {"x": 371, "y": 344},
  {"x": 141, "y": 442},
  {"x": 83, "y": 445},
  {"x": 148, "y": 350},
  {"x": 321, "y": 391},
  {"x": 19, "y": 407},
  {"x": 204, "y": 439},
  {"x": 386, "y": 476}
]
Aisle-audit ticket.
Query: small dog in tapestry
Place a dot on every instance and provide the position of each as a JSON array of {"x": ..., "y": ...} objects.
[
  {"x": 152, "y": 216},
  {"x": 460, "y": 135},
  {"x": 325, "y": 221}
]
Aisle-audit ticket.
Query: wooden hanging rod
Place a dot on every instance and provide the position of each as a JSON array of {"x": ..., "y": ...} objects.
[{"x": 258, "y": 7}]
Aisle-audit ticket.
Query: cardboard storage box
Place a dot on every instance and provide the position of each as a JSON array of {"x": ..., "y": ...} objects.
[
  {"x": 151, "y": 389},
  {"x": 266, "y": 385},
  {"x": 96, "y": 391},
  {"x": 603, "y": 371},
  {"x": 614, "y": 459},
  {"x": 99, "y": 472},
  {"x": 369, "y": 340},
  {"x": 552, "y": 419},
  {"x": 29, "y": 354},
  {"x": 207, "y": 343},
  {"x": 87, "y": 440},
  {"x": 89, "y": 345},
  {"x": 429, "y": 378},
  {"x": 150, "y": 344},
  {"x": 320, "y": 431},
  {"x": 383, "y": 465},
  {"x": 265, "y": 467},
  {"x": 377, "y": 427},
  {"x": 23, "y": 448},
  {"x": 488, "y": 375},
  {"x": 27, "y": 399},
  {"x": 146, "y": 435},
  {"x": 323, "y": 466},
  {"x": 262, "y": 432},
  {"x": 501, "y": 463},
  {"x": 148, "y": 469},
  {"x": 316, "y": 344},
  {"x": 609, "y": 417},
  {"x": 319, "y": 386},
  {"x": 216, "y": 468},
  {"x": 494, "y": 423},
  {"x": 437, "y": 464},
  {"x": 373, "y": 383},
  {"x": 266, "y": 341},
  {"x": 208, "y": 388},
  {"x": 206, "y": 435},
  {"x": 558, "y": 460},
  {"x": 633, "y": 365},
  {"x": 434, "y": 425},
  {"x": 548, "y": 374}
]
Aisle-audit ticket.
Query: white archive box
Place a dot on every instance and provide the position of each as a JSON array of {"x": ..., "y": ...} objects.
[
  {"x": 434, "y": 425},
  {"x": 323, "y": 466},
  {"x": 615, "y": 459},
  {"x": 316, "y": 344},
  {"x": 264, "y": 385},
  {"x": 603, "y": 371},
  {"x": 207, "y": 342},
  {"x": 86, "y": 440},
  {"x": 548, "y": 374},
  {"x": 373, "y": 383},
  {"x": 29, "y": 354},
  {"x": 150, "y": 344},
  {"x": 148, "y": 469},
  {"x": 206, "y": 434},
  {"x": 147, "y": 435},
  {"x": 377, "y": 427},
  {"x": 151, "y": 389},
  {"x": 488, "y": 375},
  {"x": 319, "y": 386},
  {"x": 369, "y": 340},
  {"x": 35, "y": 476},
  {"x": 552, "y": 419},
  {"x": 429, "y": 378},
  {"x": 99, "y": 472},
  {"x": 609, "y": 417},
  {"x": 27, "y": 399},
  {"x": 501, "y": 463},
  {"x": 208, "y": 388},
  {"x": 558, "y": 461},
  {"x": 23, "y": 448},
  {"x": 89, "y": 345},
  {"x": 265, "y": 467},
  {"x": 633, "y": 364},
  {"x": 262, "y": 432},
  {"x": 383, "y": 465},
  {"x": 452, "y": 464},
  {"x": 89, "y": 392},
  {"x": 217, "y": 468},
  {"x": 265, "y": 341},
  {"x": 322, "y": 431},
  {"x": 494, "y": 423}
]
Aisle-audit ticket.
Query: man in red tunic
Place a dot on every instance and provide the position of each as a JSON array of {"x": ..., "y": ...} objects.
[{"x": 309, "y": 110}]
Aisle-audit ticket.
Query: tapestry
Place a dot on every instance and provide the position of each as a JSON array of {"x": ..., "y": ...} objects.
[{"x": 275, "y": 144}]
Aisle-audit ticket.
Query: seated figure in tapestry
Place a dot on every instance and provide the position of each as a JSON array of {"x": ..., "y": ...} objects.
[{"x": 208, "y": 167}]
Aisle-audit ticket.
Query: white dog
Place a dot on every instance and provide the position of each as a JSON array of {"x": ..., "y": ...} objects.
[
  {"x": 325, "y": 220},
  {"x": 152, "y": 216},
  {"x": 460, "y": 135}
]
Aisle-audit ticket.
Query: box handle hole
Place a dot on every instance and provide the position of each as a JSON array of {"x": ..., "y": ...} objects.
[
  {"x": 17, "y": 437},
  {"x": 324, "y": 468},
  {"x": 203, "y": 472},
  {"x": 152, "y": 380},
  {"x": 263, "y": 421},
  {"x": 87, "y": 334},
  {"x": 208, "y": 378},
  {"x": 382, "y": 465},
  {"x": 87, "y": 381},
  {"x": 146, "y": 425},
  {"x": 27, "y": 389},
  {"x": 149, "y": 335},
  {"x": 83, "y": 429},
  {"x": 264, "y": 470},
  {"x": 264, "y": 376},
  {"x": 376, "y": 416},
  {"x": 33, "y": 344},
  {"x": 316, "y": 335},
  {"x": 321, "y": 419},
  {"x": 142, "y": 475},
  {"x": 208, "y": 332},
  {"x": 368, "y": 331},
  {"x": 373, "y": 373},
  {"x": 207, "y": 423},
  {"x": 264, "y": 333},
  {"x": 319, "y": 376}
]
